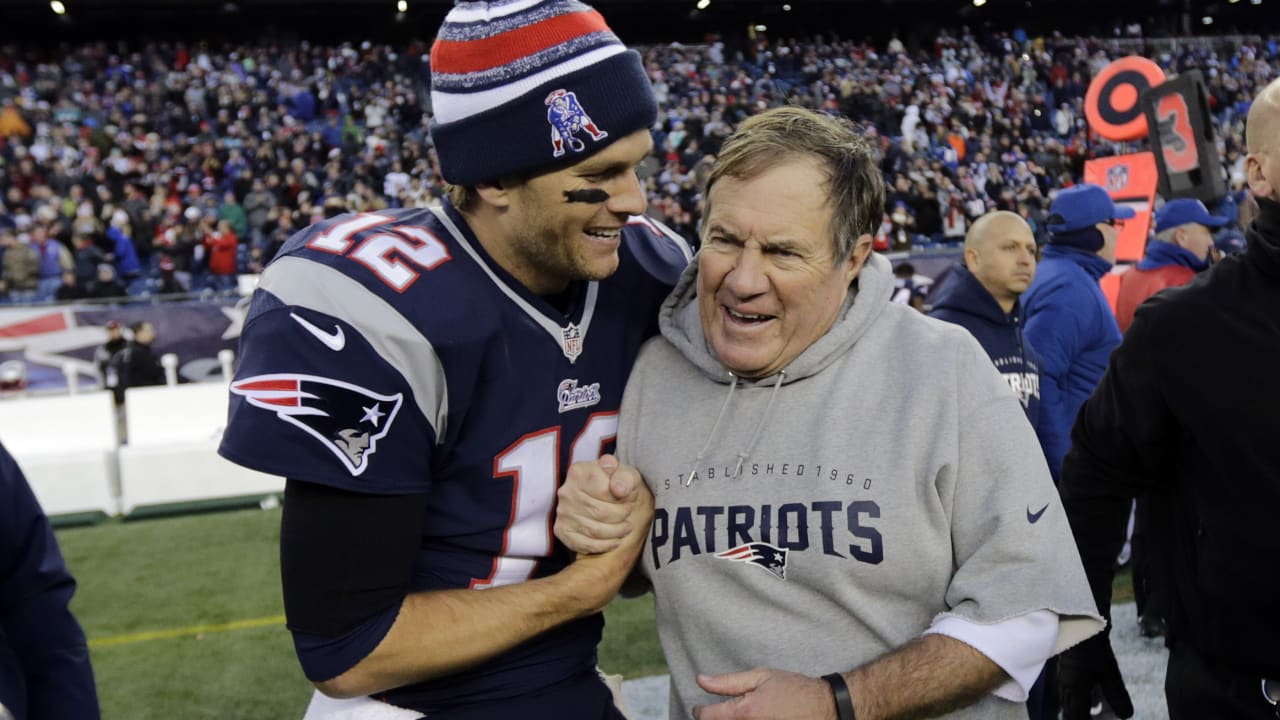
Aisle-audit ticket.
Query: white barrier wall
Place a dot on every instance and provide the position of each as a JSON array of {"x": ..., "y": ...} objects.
[
  {"x": 66, "y": 446},
  {"x": 171, "y": 456}
]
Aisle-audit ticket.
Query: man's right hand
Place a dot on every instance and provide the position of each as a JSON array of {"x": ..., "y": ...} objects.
[
  {"x": 1086, "y": 666},
  {"x": 597, "y": 505}
]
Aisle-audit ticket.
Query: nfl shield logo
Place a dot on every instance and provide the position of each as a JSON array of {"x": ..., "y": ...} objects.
[
  {"x": 1117, "y": 178},
  {"x": 571, "y": 342}
]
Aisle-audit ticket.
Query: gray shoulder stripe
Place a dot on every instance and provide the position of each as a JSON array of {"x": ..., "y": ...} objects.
[{"x": 313, "y": 285}]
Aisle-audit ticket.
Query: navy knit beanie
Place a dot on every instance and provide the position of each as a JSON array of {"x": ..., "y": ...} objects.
[{"x": 525, "y": 86}]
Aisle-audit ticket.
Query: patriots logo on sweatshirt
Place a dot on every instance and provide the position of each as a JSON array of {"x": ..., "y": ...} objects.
[
  {"x": 762, "y": 555},
  {"x": 348, "y": 419}
]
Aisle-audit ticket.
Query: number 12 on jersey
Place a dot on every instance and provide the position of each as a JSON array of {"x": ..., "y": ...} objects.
[
  {"x": 533, "y": 464},
  {"x": 395, "y": 255}
]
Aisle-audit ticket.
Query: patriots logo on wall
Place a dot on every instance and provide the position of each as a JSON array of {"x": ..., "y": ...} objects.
[
  {"x": 348, "y": 419},
  {"x": 762, "y": 555},
  {"x": 567, "y": 118}
]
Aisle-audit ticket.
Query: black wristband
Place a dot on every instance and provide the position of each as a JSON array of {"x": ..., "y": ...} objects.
[{"x": 844, "y": 701}]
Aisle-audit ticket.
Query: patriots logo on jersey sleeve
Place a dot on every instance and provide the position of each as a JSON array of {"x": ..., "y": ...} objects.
[
  {"x": 348, "y": 419},
  {"x": 760, "y": 554}
]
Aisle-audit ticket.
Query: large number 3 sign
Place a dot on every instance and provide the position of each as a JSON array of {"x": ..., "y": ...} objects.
[
  {"x": 1177, "y": 139},
  {"x": 533, "y": 464}
]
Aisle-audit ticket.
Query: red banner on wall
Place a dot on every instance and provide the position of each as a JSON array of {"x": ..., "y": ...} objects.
[{"x": 1130, "y": 180}]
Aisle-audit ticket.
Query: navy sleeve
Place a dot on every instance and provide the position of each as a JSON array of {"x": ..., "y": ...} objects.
[
  {"x": 36, "y": 624},
  {"x": 322, "y": 398},
  {"x": 661, "y": 251}
]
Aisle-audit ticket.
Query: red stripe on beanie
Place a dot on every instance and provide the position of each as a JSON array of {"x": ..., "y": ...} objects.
[{"x": 455, "y": 57}]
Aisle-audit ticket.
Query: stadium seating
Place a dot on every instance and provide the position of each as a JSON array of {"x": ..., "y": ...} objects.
[
  {"x": 66, "y": 446},
  {"x": 171, "y": 455}
]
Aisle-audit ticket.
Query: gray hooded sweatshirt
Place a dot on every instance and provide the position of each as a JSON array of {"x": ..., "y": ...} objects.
[{"x": 819, "y": 518}]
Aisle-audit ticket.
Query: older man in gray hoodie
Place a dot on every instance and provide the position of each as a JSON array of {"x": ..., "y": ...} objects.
[{"x": 847, "y": 496}]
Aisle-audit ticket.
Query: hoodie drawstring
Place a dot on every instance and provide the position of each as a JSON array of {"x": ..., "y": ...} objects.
[
  {"x": 711, "y": 435},
  {"x": 751, "y": 444},
  {"x": 768, "y": 410}
]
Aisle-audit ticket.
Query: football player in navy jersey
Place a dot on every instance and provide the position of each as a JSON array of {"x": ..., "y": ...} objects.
[{"x": 424, "y": 378}]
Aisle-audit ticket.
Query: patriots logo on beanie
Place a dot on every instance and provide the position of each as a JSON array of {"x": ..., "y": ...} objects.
[
  {"x": 512, "y": 82},
  {"x": 567, "y": 117}
]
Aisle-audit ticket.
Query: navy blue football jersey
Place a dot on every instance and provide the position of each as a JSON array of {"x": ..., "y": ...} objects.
[{"x": 388, "y": 353}]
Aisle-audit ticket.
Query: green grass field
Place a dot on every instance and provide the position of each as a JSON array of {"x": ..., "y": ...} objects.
[{"x": 185, "y": 619}]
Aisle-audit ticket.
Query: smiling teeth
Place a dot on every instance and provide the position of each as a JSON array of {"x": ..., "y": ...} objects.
[
  {"x": 744, "y": 316},
  {"x": 610, "y": 234}
]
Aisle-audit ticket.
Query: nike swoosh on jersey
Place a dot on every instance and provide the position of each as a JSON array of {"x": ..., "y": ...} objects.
[
  {"x": 1034, "y": 517},
  {"x": 335, "y": 340}
]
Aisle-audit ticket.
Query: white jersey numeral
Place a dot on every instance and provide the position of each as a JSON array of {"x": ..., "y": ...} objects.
[
  {"x": 385, "y": 253},
  {"x": 533, "y": 464}
]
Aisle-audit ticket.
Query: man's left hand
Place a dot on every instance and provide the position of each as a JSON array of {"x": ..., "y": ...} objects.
[{"x": 766, "y": 693}]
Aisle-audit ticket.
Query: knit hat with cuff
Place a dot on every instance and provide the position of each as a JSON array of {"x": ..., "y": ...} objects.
[{"x": 520, "y": 87}]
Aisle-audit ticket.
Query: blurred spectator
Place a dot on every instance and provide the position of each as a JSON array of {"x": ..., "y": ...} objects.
[
  {"x": 20, "y": 263},
  {"x": 102, "y": 355},
  {"x": 233, "y": 213},
  {"x": 168, "y": 282},
  {"x": 222, "y": 244},
  {"x": 106, "y": 285},
  {"x": 137, "y": 208},
  {"x": 123, "y": 253},
  {"x": 71, "y": 289},
  {"x": 12, "y": 124},
  {"x": 257, "y": 207},
  {"x": 901, "y": 228},
  {"x": 87, "y": 256},
  {"x": 52, "y": 258}
]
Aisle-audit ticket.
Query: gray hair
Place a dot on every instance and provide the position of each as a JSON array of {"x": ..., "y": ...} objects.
[{"x": 854, "y": 182}]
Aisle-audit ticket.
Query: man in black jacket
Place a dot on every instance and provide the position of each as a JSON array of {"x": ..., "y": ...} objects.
[
  {"x": 1167, "y": 420},
  {"x": 136, "y": 365}
]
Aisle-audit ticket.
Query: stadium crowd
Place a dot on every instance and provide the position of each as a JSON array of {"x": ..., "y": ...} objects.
[{"x": 167, "y": 168}]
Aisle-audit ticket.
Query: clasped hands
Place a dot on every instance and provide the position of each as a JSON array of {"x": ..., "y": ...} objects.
[{"x": 604, "y": 506}]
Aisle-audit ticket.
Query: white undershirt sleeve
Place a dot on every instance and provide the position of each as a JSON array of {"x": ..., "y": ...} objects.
[{"x": 1019, "y": 645}]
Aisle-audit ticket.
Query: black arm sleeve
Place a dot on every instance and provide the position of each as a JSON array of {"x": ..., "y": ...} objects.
[{"x": 345, "y": 556}]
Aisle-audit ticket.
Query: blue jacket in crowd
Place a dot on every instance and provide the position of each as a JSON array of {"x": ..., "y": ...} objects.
[
  {"x": 44, "y": 658},
  {"x": 963, "y": 300},
  {"x": 127, "y": 263},
  {"x": 1071, "y": 324}
]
